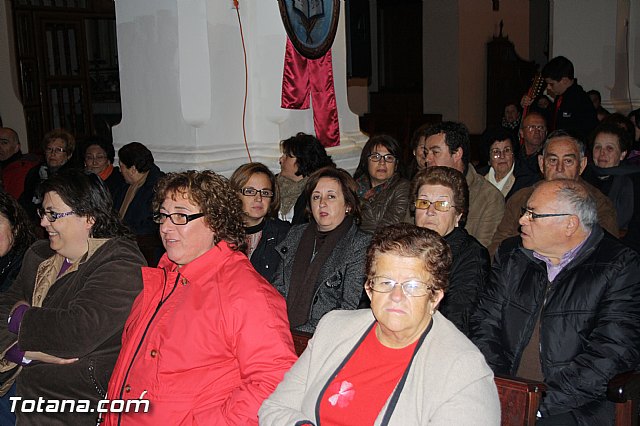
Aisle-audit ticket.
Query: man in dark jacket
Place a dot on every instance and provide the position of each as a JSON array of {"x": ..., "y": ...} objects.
[
  {"x": 563, "y": 306},
  {"x": 572, "y": 107}
]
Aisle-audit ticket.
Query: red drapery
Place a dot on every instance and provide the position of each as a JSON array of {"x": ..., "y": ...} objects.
[{"x": 303, "y": 78}]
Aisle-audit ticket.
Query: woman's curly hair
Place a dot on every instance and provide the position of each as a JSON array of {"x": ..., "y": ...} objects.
[
  {"x": 215, "y": 197},
  {"x": 406, "y": 240}
]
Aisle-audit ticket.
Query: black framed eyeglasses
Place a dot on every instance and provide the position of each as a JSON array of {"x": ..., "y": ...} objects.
[
  {"x": 52, "y": 216},
  {"x": 411, "y": 288},
  {"x": 176, "y": 218},
  {"x": 441, "y": 206},
  {"x": 252, "y": 192},
  {"x": 376, "y": 157},
  {"x": 529, "y": 214}
]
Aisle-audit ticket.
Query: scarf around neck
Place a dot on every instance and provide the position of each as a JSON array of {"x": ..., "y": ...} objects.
[
  {"x": 313, "y": 252},
  {"x": 289, "y": 192}
]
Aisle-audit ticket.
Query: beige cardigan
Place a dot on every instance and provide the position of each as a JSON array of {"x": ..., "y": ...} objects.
[{"x": 448, "y": 383}]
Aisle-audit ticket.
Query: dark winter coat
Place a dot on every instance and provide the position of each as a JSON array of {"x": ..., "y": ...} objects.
[
  {"x": 467, "y": 278},
  {"x": 81, "y": 316},
  {"x": 588, "y": 322}
]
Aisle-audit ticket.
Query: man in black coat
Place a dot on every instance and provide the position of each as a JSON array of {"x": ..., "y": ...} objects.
[
  {"x": 572, "y": 108},
  {"x": 562, "y": 306}
]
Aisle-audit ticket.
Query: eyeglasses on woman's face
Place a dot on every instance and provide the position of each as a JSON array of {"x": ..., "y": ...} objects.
[
  {"x": 51, "y": 215},
  {"x": 441, "y": 206},
  {"x": 411, "y": 288},
  {"x": 54, "y": 150},
  {"x": 176, "y": 218},
  {"x": 497, "y": 152},
  {"x": 252, "y": 192},
  {"x": 376, "y": 157}
]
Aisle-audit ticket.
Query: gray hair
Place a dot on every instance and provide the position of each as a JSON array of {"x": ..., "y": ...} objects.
[
  {"x": 579, "y": 201},
  {"x": 564, "y": 134}
]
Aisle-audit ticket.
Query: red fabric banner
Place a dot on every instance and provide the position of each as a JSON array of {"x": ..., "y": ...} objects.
[{"x": 304, "y": 78}]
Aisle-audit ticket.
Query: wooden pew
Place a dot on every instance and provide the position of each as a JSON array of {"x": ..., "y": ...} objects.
[{"x": 519, "y": 400}]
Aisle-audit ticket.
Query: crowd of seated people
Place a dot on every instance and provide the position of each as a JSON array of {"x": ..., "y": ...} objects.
[{"x": 454, "y": 275}]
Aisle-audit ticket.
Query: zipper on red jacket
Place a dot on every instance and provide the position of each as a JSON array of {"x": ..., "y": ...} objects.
[{"x": 144, "y": 334}]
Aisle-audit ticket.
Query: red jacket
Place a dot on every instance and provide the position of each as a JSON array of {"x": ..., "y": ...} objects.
[
  {"x": 13, "y": 175},
  {"x": 218, "y": 345}
]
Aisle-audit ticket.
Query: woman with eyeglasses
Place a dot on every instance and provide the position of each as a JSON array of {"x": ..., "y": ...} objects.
[
  {"x": 58, "y": 146},
  {"x": 400, "y": 362},
  {"x": 501, "y": 160},
  {"x": 383, "y": 192},
  {"x": 256, "y": 186},
  {"x": 62, "y": 319},
  {"x": 133, "y": 200},
  {"x": 208, "y": 339},
  {"x": 99, "y": 155},
  {"x": 322, "y": 262},
  {"x": 441, "y": 199}
]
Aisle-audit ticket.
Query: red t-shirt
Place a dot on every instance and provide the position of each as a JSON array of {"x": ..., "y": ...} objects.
[{"x": 365, "y": 383}]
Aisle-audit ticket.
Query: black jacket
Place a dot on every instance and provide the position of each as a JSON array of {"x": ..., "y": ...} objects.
[
  {"x": 139, "y": 215},
  {"x": 467, "y": 278},
  {"x": 588, "y": 323},
  {"x": 576, "y": 113},
  {"x": 265, "y": 258},
  {"x": 526, "y": 171}
]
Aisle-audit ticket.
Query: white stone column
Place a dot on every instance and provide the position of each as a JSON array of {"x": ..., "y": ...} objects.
[
  {"x": 598, "y": 36},
  {"x": 182, "y": 78}
]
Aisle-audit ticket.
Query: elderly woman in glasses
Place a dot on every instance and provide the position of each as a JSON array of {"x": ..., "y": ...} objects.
[
  {"x": 501, "y": 160},
  {"x": 322, "y": 262},
  {"x": 260, "y": 196},
  {"x": 384, "y": 194},
  {"x": 400, "y": 362},
  {"x": 441, "y": 198},
  {"x": 208, "y": 339},
  {"x": 62, "y": 319},
  {"x": 58, "y": 146}
]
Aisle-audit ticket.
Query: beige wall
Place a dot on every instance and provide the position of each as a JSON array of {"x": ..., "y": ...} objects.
[
  {"x": 10, "y": 107},
  {"x": 478, "y": 24},
  {"x": 455, "y": 54}
]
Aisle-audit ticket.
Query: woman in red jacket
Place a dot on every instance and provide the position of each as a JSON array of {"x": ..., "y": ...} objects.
[{"x": 208, "y": 338}]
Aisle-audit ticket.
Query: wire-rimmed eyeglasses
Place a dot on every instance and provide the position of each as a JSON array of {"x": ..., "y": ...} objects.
[
  {"x": 411, "y": 288},
  {"x": 376, "y": 157},
  {"x": 441, "y": 205}
]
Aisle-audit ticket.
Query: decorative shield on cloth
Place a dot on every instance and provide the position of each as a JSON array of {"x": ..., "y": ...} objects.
[{"x": 310, "y": 24}]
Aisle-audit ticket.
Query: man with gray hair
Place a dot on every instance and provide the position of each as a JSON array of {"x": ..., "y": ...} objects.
[
  {"x": 562, "y": 306},
  {"x": 563, "y": 157}
]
